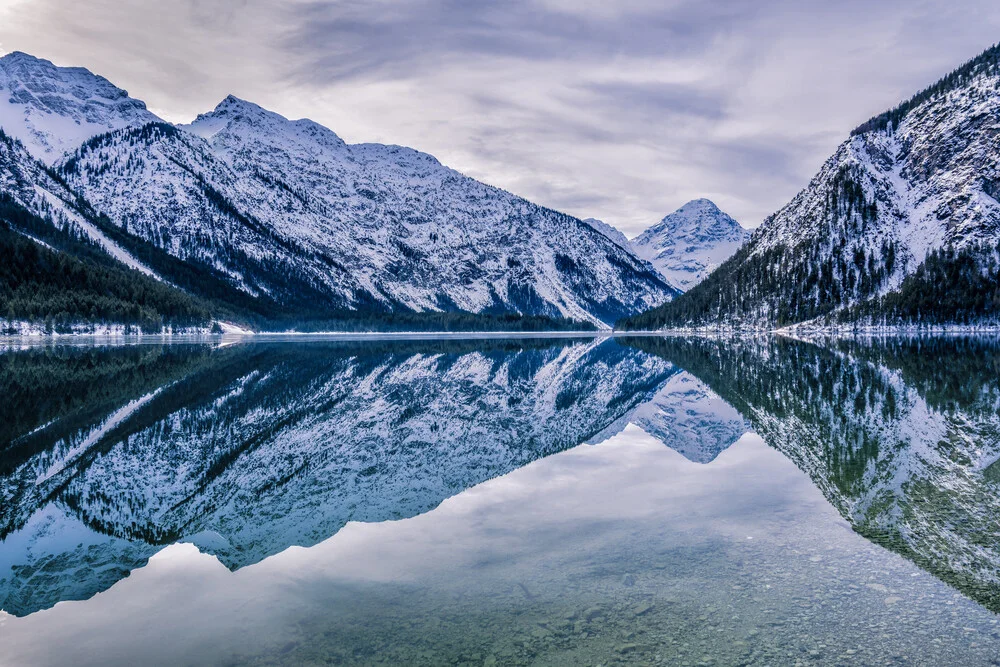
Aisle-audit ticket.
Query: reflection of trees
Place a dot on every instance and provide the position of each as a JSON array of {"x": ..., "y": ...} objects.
[
  {"x": 950, "y": 373},
  {"x": 71, "y": 387},
  {"x": 786, "y": 380},
  {"x": 899, "y": 434}
]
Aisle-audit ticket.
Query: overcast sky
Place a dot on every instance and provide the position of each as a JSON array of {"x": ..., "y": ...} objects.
[{"x": 620, "y": 110}]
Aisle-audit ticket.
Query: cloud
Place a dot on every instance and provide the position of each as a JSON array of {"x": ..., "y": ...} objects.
[{"x": 621, "y": 111}]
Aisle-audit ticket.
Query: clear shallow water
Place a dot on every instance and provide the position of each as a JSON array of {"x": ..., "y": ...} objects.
[{"x": 763, "y": 502}]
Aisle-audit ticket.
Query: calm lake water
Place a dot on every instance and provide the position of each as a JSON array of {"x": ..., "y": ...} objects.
[{"x": 540, "y": 501}]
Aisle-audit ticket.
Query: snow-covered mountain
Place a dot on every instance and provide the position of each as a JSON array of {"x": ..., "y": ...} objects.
[
  {"x": 922, "y": 178},
  {"x": 612, "y": 233},
  {"x": 288, "y": 211},
  {"x": 914, "y": 181},
  {"x": 52, "y": 110},
  {"x": 690, "y": 243},
  {"x": 28, "y": 184}
]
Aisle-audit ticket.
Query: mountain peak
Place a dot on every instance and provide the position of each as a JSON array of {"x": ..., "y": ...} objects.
[
  {"x": 611, "y": 232},
  {"x": 283, "y": 210},
  {"x": 52, "y": 109},
  {"x": 688, "y": 244},
  {"x": 21, "y": 56},
  {"x": 701, "y": 215},
  {"x": 233, "y": 108},
  {"x": 233, "y": 104},
  {"x": 701, "y": 203},
  {"x": 234, "y": 115}
]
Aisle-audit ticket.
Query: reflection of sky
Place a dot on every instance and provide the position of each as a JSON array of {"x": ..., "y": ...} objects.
[{"x": 561, "y": 527}]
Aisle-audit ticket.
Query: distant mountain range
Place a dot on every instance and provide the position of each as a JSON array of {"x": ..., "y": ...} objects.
[
  {"x": 271, "y": 222},
  {"x": 900, "y": 226}
]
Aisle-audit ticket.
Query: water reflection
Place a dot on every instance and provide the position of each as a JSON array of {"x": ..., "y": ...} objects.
[
  {"x": 902, "y": 436},
  {"x": 625, "y": 551},
  {"x": 247, "y": 450},
  {"x": 691, "y": 419}
]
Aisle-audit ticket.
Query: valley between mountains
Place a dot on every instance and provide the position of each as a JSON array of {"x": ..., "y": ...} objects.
[{"x": 115, "y": 221}]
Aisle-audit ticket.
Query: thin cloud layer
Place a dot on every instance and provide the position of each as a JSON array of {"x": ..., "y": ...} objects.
[{"x": 621, "y": 111}]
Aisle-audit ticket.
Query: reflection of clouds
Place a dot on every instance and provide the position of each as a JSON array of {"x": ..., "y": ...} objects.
[
  {"x": 552, "y": 513},
  {"x": 560, "y": 529},
  {"x": 622, "y": 111},
  {"x": 570, "y": 501}
]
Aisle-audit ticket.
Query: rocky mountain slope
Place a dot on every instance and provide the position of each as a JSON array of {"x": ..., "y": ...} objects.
[
  {"x": 690, "y": 243},
  {"x": 287, "y": 212},
  {"x": 916, "y": 183},
  {"x": 610, "y": 231},
  {"x": 28, "y": 184}
]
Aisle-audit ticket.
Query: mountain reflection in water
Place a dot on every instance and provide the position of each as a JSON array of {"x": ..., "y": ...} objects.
[
  {"x": 902, "y": 436},
  {"x": 109, "y": 454},
  {"x": 247, "y": 450}
]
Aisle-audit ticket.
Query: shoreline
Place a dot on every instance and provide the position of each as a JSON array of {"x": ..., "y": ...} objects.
[
  {"x": 232, "y": 337},
  {"x": 800, "y": 330},
  {"x": 279, "y": 336}
]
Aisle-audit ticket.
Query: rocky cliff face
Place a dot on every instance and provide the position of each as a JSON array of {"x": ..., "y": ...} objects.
[{"x": 892, "y": 194}]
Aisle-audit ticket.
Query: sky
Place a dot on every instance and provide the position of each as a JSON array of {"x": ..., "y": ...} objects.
[{"x": 618, "y": 110}]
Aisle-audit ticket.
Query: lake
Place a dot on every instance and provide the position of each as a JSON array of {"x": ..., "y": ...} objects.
[{"x": 501, "y": 501}]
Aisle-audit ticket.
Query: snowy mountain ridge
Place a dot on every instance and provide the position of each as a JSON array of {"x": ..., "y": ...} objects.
[
  {"x": 27, "y": 183},
  {"x": 52, "y": 110},
  {"x": 286, "y": 210},
  {"x": 890, "y": 196},
  {"x": 610, "y": 231},
  {"x": 685, "y": 246},
  {"x": 928, "y": 182}
]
